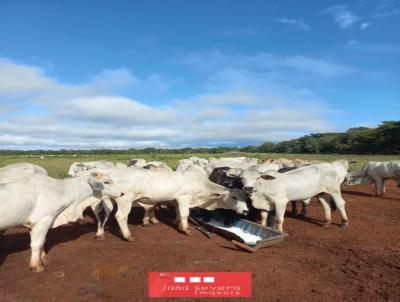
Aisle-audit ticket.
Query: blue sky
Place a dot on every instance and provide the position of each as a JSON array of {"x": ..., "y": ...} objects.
[{"x": 102, "y": 74}]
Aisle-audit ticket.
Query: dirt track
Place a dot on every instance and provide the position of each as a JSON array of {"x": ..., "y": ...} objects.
[{"x": 360, "y": 263}]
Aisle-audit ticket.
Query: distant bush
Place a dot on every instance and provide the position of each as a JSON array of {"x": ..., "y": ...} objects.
[{"x": 385, "y": 139}]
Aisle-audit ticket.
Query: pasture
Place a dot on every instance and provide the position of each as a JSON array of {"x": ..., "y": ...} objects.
[
  {"x": 359, "y": 263},
  {"x": 57, "y": 165}
]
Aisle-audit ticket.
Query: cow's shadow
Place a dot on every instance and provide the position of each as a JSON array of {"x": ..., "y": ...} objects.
[
  {"x": 357, "y": 193},
  {"x": 18, "y": 242},
  {"x": 167, "y": 216},
  {"x": 308, "y": 219}
]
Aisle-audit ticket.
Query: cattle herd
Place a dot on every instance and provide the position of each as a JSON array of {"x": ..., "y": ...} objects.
[{"x": 30, "y": 198}]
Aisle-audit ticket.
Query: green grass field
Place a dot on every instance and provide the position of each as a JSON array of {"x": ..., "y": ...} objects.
[{"x": 57, "y": 166}]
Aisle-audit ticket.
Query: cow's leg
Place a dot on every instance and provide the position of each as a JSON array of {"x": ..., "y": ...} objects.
[
  {"x": 38, "y": 237},
  {"x": 146, "y": 217},
  {"x": 340, "y": 204},
  {"x": 177, "y": 216},
  {"x": 378, "y": 186},
  {"x": 304, "y": 205},
  {"x": 383, "y": 188},
  {"x": 271, "y": 218},
  {"x": 294, "y": 208},
  {"x": 43, "y": 257},
  {"x": 184, "y": 211},
  {"x": 280, "y": 208},
  {"x": 264, "y": 217},
  {"x": 397, "y": 177},
  {"x": 327, "y": 209},
  {"x": 107, "y": 206},
  {"x": 153, "y": 218},
  {"x": 124, "y": 208}
]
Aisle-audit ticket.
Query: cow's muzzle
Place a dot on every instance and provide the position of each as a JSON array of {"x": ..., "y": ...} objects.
[{"x": 248, "y": 189}]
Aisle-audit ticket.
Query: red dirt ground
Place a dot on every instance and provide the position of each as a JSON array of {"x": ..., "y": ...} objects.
[{"x": 360, "y": 263}]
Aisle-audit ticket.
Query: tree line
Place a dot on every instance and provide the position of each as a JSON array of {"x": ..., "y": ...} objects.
[{"x": 384, "y": 139}]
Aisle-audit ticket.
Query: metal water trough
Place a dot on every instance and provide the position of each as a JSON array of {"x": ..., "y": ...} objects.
[{"x": 244, "y": 234}]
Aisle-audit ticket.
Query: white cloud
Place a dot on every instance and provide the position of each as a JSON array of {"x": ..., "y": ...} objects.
[
  {"x": 387, "y": 13},
  {"x": 342, "y": 16},
  {"x": 382, "y": 4},
  {"x": 244, "y": 102},
  {"x": 22, "y": 78},
  {"x": 216, "y": 60},
  {"x": 114, "y": 109},
  {"x": 373, "y": 47},
  {"x": 113, "y": 78},
  {"x": 299, "y": 24},
  {"x": 364, "y": 25}
]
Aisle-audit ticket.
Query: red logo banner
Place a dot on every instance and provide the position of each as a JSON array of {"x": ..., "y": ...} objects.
[{"x": 200, "y": 284}]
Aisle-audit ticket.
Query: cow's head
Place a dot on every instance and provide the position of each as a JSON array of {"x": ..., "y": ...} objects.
[
  {"x": 264, "y": 183},
  {"x": 76, "y": 168},
  {"x": 235, "y": 199},
  {"x": 103, "y": 186},
  {"x": 248, "y": 176}
]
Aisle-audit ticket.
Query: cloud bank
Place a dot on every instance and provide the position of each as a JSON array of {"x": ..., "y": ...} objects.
[{"x": 243, "y": 99}]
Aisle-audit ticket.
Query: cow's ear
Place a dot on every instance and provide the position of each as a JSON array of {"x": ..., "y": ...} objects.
[
  {"x": 267, "y": 177},
  {"x": 217, "y": 195},
  {"x": 95, "y": 184},
  {"x": 95, "y": 174},
  {"x": 235, "y": 172}
]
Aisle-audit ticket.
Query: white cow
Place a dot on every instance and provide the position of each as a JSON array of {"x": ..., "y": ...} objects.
[
  {"x": 377, "y": 173},
  {"x": 183, "y": 164},
  {"x": 231, "y": 162},
  {"x": 187, "y": 189},
  {"x": 149, "y": 211},
  {"x": 77, "y": 167},
  {"x": 250, "y": 174},
  {"x": 274, "y": 190},
  {"x": 121, "y": 165},
  {"x": 40, "y": 202},
  {"x": 17, "y": 171},
  {"x": 291, "y": 163},
  {"x": 341, "y": 167},
  {"x": 141, "y": 163}
]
